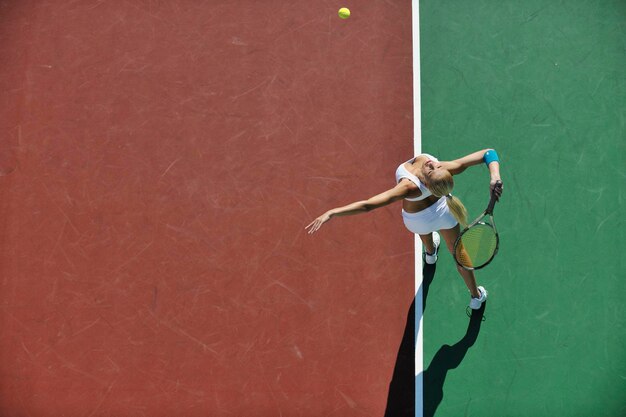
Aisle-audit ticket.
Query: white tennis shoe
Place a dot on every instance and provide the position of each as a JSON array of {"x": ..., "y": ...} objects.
[
  {"x": 432, "y": 259},
  {"x": 476, "y": 303}
]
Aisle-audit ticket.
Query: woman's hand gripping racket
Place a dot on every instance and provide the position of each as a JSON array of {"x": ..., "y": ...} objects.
[{"x": 477, "y": 244}]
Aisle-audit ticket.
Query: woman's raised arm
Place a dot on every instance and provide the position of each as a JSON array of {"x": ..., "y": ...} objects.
[{"x": 488, "y": 156}]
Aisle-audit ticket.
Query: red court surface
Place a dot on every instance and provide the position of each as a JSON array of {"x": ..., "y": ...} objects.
[{"x": 159, "y": 161}]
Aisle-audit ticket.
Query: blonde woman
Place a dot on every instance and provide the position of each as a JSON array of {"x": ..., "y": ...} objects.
[{"x": 424, "y": 184}]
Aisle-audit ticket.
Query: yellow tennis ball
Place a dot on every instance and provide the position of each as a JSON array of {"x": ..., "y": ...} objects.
[{"x": 344, "y": 13}]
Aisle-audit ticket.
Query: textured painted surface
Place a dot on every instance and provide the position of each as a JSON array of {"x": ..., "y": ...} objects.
[
  {"x": 160, "y": 161},
  {"x": 542, "y": 82}
]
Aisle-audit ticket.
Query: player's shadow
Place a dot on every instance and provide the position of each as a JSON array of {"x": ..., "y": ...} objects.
[
  {"x": 401, "y": 398},
  {"x": 447, "y": 358}
]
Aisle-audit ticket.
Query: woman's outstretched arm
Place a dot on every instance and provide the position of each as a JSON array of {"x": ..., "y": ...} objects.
[{"x": 396, "y": 193}]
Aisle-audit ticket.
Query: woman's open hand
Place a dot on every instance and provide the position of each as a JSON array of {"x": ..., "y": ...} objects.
[{"x": 317, "y": 223}]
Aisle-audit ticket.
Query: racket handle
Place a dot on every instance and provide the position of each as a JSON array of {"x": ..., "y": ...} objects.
[{"x": 494, "y": 198}]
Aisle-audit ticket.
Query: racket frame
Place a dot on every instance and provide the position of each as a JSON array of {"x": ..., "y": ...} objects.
[{"x": 491, "y": 223}]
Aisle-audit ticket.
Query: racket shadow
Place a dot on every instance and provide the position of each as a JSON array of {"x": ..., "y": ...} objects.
[{"x": 401, "y": 397}]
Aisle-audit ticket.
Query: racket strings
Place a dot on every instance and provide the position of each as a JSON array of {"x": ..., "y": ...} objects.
[{"x": 477, "y": 246}]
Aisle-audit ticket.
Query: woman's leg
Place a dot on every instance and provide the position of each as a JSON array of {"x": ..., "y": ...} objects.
[
  {"x": 450, "y": 235},
  {"x": 427, "y": 241}
]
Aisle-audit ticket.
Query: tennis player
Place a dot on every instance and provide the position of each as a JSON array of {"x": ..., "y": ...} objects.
[{"x": 424, "y": 184}]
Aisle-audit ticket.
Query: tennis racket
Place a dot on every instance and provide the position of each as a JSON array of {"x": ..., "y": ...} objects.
[{"x": 478, "y": 243}]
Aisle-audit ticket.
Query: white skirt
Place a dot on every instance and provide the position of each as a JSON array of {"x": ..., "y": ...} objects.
[{"x": 435, "y": 217}]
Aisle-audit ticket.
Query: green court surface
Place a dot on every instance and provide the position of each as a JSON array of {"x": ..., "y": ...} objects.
[{"x": 543, "y": 83}]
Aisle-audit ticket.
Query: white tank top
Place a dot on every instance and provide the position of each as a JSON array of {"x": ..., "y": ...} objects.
[{"x": 402, "y": 172}]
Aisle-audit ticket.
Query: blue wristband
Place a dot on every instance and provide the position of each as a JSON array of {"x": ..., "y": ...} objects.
[{"x": 490, "y": 156}]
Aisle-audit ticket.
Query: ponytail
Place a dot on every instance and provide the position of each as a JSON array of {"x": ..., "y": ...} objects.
[
  {"x": 442, "y": 186},
  {"x": 457, "y": 209}
]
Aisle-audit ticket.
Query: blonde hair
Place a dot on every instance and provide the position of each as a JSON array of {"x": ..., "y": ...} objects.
[{"x": 441, "y": 185}]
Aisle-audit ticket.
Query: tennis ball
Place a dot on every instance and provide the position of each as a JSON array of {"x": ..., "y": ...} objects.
[{"x": 344, "y": 13}]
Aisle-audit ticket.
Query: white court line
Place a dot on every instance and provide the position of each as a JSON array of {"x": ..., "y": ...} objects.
[{"x": 417, "y": 149}]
